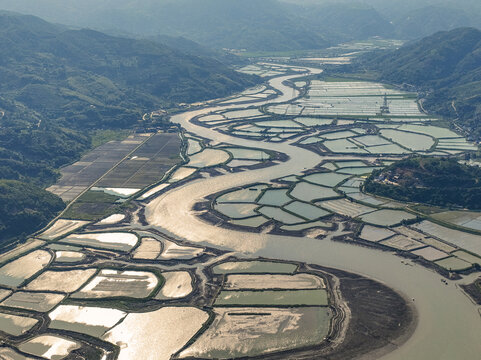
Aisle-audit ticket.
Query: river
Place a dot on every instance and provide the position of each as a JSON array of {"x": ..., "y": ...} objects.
[{"x": 449, "y": 325}]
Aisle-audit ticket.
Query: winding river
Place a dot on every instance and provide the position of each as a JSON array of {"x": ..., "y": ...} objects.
[{"x": 449, "y": 325}]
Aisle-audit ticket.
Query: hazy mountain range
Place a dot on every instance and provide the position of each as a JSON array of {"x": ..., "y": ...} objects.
[{"x": 259, "y": 25}]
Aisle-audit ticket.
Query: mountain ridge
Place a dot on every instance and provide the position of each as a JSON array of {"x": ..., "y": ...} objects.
[
  {"x": 59, "y": 85},
  {"x": 446, "y": 67}
]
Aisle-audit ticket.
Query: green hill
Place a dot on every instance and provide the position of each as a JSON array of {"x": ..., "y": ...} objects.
[
  {"x": 439, "y": 182},
  {"x": 58, "y": 85},
  {"x": 24, "y": 209},
  {"x": 446, "y": 67},
  {"x": 253, "y": 25}
]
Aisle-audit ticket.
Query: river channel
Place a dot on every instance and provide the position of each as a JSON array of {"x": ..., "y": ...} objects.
[{"x": 449, "y": 325}]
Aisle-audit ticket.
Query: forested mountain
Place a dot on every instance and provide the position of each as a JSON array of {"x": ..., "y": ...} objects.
[
  {"x": 235, "y": 24},
  {"x": 411, "y": 19},
  {"x": 345, "y": 22},
  {"x": 250, "y": 24},
  {"x": 447, "y": 66},
  {"x": 193, "y": 48},
  {"x": 57, "y": 84},
  {"x": 24, "y": 209},
  {"x": 425, "y": 21}
]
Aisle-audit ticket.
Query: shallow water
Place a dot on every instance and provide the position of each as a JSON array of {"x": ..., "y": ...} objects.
[
  {"x": 16, "y": 325},
  {"x": 208, "y": 157},
  {"x": 275, "y": 197},
  {"x": 307, "y": 211},
  {"x": 170, "y": 326},
  {"x": 16, "y": 272},
  {"x": 434, "y": 301},
  {"x": 94, "y": 321},
  {"x": 52, "y": 347},
  {"x": 254, "y": 267},
  {"x": 272, "y": 298},
  {"x": 280, "y": 215},
  {"x": 178, "y": 284},
  {"x": 309, "y": 192}
]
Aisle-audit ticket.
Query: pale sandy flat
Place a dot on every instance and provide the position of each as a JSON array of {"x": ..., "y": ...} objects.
[
  {"x": 438, "y": 244},
  {"x": 112, "y": 219},
  {"x": 149, "y": 249},
  {"x": 11, "y": 354},
  {"x": 430, "y": 253},
  {"x": 35, "y": 301},
  {"x": 181, "y": 173},
  {"x": 62, "y": 227},
  {"x": 113, "y": 283},
  {"x": 61, "y": 281},
  {"x": 69, "y": 256},
  {"x": 153, "y": 191},
  {"x": 21, "y": 249},
  {"x": 16, "y": 272},
  {"x": 16, "y": 325},
  {"x": 208, "y": 157},
  {"x": 4, "y": 293},
  {"x": 92, "y": 321},
  {"x": 372, "y": 233},
  {"x": 402, "y": 242},
  {"x": 156, "y": 335},
  {"x": 244, "y": 332},
  {"x": 51, "y": 347},
  {"x": 179, "y": 252},
  {"x": 178, "y": 284},
  {"x": 271, "y": 281},
  {"x": 113, "y": 241}
]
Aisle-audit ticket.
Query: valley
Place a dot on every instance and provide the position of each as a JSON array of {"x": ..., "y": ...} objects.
[{"x": 261, "y": 231}]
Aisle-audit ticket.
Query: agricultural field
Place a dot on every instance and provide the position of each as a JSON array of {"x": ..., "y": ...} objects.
[
  {"x": 268, "y": 70},
  {"x": 111, "y": 241},
  {"x": 371, "y": 125},
  {"x": 343, "y": 98},
  {"x": 146, "y": 165},
  {"x": 272, "y": 287},
  {"x": 106, "y": 282},
  {"x": 77, "y": 177},
  {"x": 261, "y": 302},
  {"x": 244, "y": 331},
  {"x": 115, "y": 283}
]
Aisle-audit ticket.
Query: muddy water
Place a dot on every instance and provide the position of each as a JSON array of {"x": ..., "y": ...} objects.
[{"x": 449, "y": 324}]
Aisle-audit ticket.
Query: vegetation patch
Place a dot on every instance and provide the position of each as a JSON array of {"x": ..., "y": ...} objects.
[
  {"x": 24, "y": 209},
  {"x": 438, "y": 182}
]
